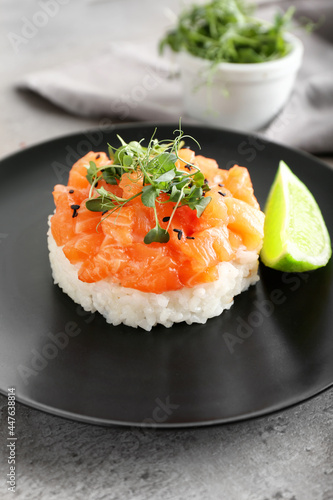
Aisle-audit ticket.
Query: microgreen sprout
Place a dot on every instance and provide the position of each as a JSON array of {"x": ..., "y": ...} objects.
[
  {"x": 156, "y": 166},
  {"x": 226, "y": 31}
]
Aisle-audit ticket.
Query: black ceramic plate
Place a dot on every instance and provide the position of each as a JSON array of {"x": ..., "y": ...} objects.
[{"x": 272, "y": 349}]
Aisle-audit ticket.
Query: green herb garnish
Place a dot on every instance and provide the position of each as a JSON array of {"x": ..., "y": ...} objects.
[
  {"x": 155, "y": 166},
  {"x": 225, "y": 31}
]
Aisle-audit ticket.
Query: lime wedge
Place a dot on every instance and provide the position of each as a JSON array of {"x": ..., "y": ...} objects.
[{"x": 295, "y": 235}]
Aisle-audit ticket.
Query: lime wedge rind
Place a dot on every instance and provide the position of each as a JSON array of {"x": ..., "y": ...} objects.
[{"x": 296, "y": 238}]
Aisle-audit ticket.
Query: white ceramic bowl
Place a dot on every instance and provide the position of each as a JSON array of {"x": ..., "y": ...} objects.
[{"x": 240, "y": 96}]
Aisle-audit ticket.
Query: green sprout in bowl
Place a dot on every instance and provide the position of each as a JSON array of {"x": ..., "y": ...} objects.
[{"x": 226, "y": 31}]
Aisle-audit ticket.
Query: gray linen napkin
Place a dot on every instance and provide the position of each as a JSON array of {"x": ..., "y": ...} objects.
[
  {"x": 126, "y": 81},
  {"x": 149, "y": 89}
]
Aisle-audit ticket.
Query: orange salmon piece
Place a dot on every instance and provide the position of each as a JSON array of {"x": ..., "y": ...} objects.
[
  {"x": 106, "y": 263},
  {"x": 210, "y": 169},
  {"x": 112, "y": 188},
  {"x": 118, "y": 226},
  {"x": 240, "y": 185},
  {"x": 131, "y": 184},
  {"x": 78, "y": 180},
  {"x": 246, "y": 221},
  {"x": 215, "y": 212},
  {"x": 63, "y": 222},
  {"x": 151, "y": 268},
  {"x": 77, "y": 175},
  {"x": 208, "y": 248},
  {"x": 184, "y": 218},
  {"x": 86, "y": 221},
  {"x": 62, "y": 227},
  {"x": 190, "y": 277},
  {"x": 82, "y": 246},
  {"x": 77, "y": 195},
  {"x": 64, "y": 196},
  {"x": 186, "y": 156},
  {"x": 235, "y": 239}
]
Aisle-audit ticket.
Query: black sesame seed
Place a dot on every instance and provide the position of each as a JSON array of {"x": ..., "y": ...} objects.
[
  {"x": 205, "y": 181},
  {"x": 166, "y": 219},
  {"x": 71, "y": 191},
  {"x": 98, "y": 156},
  {"x": 222, "y": 194},
  {"x": 105, "y": 211},
  {"x": 221, "y": 185},
  {"x": 75, "y": 208},
  {"x": 190, "y": 238},
  {"x": 180, "y": 233},
  {"x": 189, "y": 168}
]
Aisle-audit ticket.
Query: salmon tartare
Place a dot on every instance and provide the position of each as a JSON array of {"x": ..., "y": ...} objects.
[{"x": 155, "y": 234}]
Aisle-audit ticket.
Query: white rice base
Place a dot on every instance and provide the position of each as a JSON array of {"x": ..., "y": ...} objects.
[{"x": 141, "y": 309}]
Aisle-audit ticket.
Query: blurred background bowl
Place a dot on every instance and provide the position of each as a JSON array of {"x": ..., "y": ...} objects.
[{"x": 239, "y": 96}]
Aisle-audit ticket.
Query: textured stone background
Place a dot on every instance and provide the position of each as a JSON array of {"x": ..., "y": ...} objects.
[{"x": 285, "y": 456}]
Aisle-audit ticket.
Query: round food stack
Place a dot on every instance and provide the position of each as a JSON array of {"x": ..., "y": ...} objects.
[{"x": 176, "y": 248}]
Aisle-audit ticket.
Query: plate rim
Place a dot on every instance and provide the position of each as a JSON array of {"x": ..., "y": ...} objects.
[
  {"x": 76, "y": 417},
  {"x": 138, "y": 125}
]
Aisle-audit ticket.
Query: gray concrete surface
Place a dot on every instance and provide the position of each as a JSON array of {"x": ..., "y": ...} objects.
[{"x": 285, "y": 456}]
